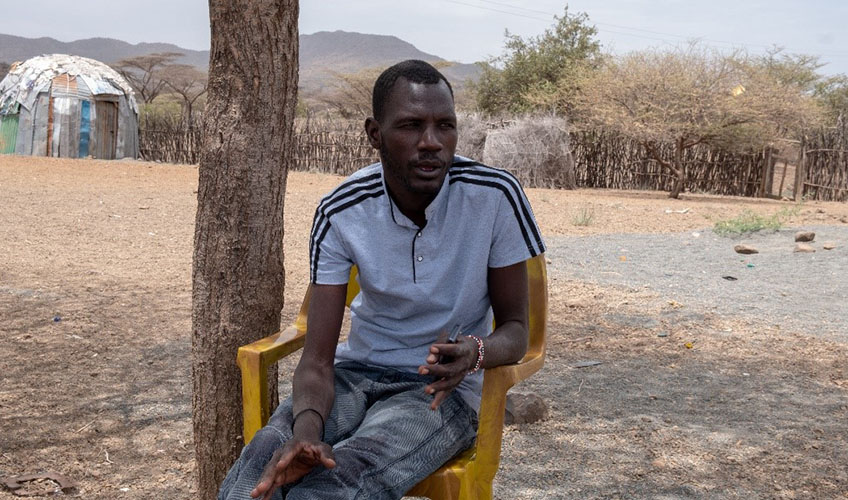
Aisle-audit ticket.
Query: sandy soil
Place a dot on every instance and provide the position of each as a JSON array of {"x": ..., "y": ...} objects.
[{"x": 95, "y": 280}]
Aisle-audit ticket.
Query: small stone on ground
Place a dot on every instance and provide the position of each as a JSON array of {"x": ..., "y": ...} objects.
[
  {"x": 804, "y": 248},
  {"x": 525, "y": 408},
  {"x": 745, "y": 249},
  {"x": 805, "y": 236}
]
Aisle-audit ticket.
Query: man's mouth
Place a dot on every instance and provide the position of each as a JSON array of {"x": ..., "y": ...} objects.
[{"x": 428, "y": 166}]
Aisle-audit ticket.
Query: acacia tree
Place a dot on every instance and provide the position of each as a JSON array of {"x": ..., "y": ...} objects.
[
  {"x": 692, "y": 96},
  {"x": 349, "y": 94},
  {"x": 188, "y": 82},
  {"x": 832, "y": 93},
  {"x": 539, "y": 73},
  {"x": 238, "y": 275},
  {"x": 143, "y": 73}
]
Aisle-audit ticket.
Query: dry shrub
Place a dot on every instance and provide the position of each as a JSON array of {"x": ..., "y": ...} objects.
[
  {"x": 473, "y": 130},
  {"x": 536, "y": 149}
]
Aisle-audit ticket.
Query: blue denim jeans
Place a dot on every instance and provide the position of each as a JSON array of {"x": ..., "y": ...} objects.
[{"x": 384, "y": 436}]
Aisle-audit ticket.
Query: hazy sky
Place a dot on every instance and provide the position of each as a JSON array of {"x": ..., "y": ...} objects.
[{"x": 470, "y": 30}]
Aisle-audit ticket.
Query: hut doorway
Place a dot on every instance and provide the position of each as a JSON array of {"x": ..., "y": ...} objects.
[{"x": 106, "y": 132}]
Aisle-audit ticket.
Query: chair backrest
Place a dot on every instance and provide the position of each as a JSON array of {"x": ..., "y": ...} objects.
[{"x": 537, "y": 282}]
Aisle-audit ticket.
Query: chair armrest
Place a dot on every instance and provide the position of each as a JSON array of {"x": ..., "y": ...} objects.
[
  {"x": 496, "y": 382},
  {"x": 254, "y": 360}
]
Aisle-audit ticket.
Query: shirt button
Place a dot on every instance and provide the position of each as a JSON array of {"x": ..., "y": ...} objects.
[
  {"x": 419, "y": 234},
  {"x": 420, "y": 258}
]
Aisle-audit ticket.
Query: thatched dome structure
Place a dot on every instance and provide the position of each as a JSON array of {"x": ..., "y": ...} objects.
[{"x": 67, "y": 106}]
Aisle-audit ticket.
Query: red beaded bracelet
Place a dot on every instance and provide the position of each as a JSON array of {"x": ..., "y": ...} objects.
[{"x": 481, "y": 351}]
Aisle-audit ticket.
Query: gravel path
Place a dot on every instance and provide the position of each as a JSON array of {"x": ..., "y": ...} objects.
[{"x": 803, "y": 291}]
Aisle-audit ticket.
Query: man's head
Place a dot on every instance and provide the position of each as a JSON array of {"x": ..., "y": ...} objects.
[
  {"x": 412, "y": 70},
  {"x": 414, "y": 128}
]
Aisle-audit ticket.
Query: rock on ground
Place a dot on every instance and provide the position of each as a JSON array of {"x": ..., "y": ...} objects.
[
  {"x": 804, "y": 248},
  {"x": 745, "y": 249},
  {"x": 805, "y": 236},
  {"x": 525, "y": 408}
]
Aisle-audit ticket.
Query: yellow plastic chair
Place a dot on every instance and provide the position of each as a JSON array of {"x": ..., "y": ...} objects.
[{"x": 468, "y": 476}]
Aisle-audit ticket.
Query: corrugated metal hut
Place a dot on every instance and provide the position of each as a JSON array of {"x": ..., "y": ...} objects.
[{"x": 67, "y": 106}]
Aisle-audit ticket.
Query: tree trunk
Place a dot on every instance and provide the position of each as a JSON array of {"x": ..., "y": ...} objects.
[
  {"x": 238, "y": 274},
  {"x": 678, "y": 170},
  {"x": 569, "y": 176},
  {"x": 801, "y": 171},
  {"x": 676, "y": 165}
]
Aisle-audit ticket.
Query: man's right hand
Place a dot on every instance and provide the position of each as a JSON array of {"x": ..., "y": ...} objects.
[{"x": 290, "y": 463}]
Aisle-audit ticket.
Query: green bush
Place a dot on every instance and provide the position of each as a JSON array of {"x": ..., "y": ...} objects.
[{"x": 750, "y": 222}]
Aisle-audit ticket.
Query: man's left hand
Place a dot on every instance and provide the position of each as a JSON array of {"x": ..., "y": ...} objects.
[{"x": 448, "y": 363}]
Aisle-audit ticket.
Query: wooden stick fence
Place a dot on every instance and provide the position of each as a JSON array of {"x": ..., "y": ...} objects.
[
  {"x": 601, "y": 160},
  {"x": 824, "y": 164},
  {"x": 604, "y": 160}
]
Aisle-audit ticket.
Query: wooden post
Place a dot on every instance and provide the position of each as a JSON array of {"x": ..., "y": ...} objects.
[
  {"x": 765, "y": 177},
  {"x": 770, "y": 160},
  {"x": 782, "y": 179},
  {"x": 801, "y": 170}
]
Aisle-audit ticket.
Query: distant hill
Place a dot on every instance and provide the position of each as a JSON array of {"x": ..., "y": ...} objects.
[
  {"x": 325, "y": 52},
  {"x": 107, "y": 50},
  {"x": 321, "y": 54}
]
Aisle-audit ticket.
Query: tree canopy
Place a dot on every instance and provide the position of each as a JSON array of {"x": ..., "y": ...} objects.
[
  {"x": 693, "y": 96},
  {"x": 539, "y": 72},
  {"x": 144, "y": 73}
]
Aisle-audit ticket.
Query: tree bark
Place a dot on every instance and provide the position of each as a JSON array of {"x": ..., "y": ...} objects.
[
  {"x": 801, "y": 171},
  {"x": 238, "y": 274},
  {"x": 678, "y": 170},
  {"x": 676, "y": 166}
]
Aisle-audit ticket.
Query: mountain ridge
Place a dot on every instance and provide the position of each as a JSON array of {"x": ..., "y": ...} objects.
[{"x": 322, "y": 54}]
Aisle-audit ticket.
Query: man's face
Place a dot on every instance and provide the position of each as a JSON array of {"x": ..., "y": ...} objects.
[{"x": 416, "y": 138}]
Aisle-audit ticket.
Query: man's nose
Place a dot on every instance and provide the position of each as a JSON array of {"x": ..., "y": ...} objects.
[{"x": 430, "y": 139}]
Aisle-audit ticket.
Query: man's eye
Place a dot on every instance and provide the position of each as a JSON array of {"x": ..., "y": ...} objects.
[{"x": 448, "y": 126}]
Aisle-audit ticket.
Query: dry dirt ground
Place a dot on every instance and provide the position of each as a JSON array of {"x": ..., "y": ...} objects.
[{"x": 95, "y": 280}]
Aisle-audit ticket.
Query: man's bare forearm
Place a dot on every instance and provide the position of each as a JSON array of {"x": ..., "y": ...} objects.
[
  {"x": 313, "y": 392},
  {"x": 313, "y": 389},
  {"x": 507, "y": 344},
  {"x": 508, "y": 294}
]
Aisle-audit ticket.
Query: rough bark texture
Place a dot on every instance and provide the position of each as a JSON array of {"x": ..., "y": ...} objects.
[
  {"x": 238, "y": 275},
  {"x": 679, "y": 170}
]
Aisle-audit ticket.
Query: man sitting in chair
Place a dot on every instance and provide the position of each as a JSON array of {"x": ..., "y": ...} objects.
[{"x": 440, "y": 242}]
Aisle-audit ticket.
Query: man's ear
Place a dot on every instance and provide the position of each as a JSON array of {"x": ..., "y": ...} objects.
[{"x": 372, "y": 130}]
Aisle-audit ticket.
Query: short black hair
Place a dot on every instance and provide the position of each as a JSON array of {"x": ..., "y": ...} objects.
[{"x": 414, "y": 70}]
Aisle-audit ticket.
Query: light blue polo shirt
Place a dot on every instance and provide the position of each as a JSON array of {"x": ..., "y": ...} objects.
[{"x": 415, "y": 283}]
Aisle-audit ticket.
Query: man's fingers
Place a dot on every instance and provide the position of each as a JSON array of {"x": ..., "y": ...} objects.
[
  {"x": 325, "y": 456},
  {"x": 286, "y": 458},
  {"x": 266, "y": 480},
  {"x": 437, "y": 400},
  {"x": 328, "y": 462},
  {"x": 268, "y": 494},
  {"x": 455, "y": 368},
  {"x": 264, "y": 488},
  {"x": 274, "y": 472},
  {"x": 260, "y": 488},
  {"x": 441, "y": 385}
]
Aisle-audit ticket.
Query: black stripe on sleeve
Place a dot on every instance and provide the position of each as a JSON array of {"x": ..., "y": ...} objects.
[
  {"x": 517, "y": 193},
  {"x": 317, "y": 245},
  {"x": 325, "y": 207},
  {"x": 505, "y": 190}
]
